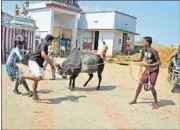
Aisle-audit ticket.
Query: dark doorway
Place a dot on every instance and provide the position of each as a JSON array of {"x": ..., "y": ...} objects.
[
  {"x": 96, "y": 39},
  {"x": 125, "y": 36}
]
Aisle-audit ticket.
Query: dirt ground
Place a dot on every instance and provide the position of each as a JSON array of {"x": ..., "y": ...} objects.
[{"x": 108, "y": 108}]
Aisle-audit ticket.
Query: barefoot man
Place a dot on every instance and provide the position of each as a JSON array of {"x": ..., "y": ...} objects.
[
  {"x": 36, "y": 61},
  {"x": 152, "y": 63}
]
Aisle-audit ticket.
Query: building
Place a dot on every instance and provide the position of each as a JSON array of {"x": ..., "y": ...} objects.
[
  {"x": 11, "y": 27},
  {"x": 56, "y": 18},
  {"x": 84, "y": 30},
  {"x": 6, "y": 17},
  {"x": 110, "y": 26}
]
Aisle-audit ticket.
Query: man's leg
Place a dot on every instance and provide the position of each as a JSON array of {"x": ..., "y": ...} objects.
[
  {"x": 35, "y": 83},
  {"x": 45, "y": 65},
  {"x": 153, "y": 78},
  {"x": 29, "y": 92},
  {"x": 37, "y": 75},
  {"x": 138, "y": 91},
  {"x": 140, "y": 85},
  {"x": 16, "y": 91},
  {"x": 154, "y": 93},
  {"x": 52, "y": 68}
]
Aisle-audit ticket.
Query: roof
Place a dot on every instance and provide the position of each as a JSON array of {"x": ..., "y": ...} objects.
[
  {"x": 108, "y": 12},
  {"x": 6, "y": 14},
  {"x": 108, "y": 29}
]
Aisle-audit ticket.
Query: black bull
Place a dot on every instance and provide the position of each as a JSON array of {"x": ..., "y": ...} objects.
[{"x": 80, "y": 61}]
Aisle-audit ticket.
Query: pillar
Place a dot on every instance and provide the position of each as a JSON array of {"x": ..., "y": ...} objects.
[
  {"x": 74, "y": 31},
  {"x": 52, "y": 22}
]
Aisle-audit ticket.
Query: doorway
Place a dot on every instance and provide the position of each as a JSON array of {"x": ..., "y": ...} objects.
[
  {"x": 125, "y": 36},
  {"x": 96, "y": 40}
]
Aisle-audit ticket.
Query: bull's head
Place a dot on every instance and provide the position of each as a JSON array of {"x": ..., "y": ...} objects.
[{"x": 63, "y": 72}]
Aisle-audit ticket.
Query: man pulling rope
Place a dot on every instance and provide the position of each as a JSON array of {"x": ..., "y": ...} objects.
[{"x": 152, "y": 63}]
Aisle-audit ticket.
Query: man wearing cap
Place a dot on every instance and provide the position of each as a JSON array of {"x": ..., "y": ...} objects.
[{"x": 12, "y": 69}]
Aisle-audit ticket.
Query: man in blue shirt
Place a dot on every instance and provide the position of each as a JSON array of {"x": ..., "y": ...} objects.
[{"x": 62, "y": 42}]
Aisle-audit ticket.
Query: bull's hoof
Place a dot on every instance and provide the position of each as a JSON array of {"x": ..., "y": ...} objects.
[
  {"x": 84, "y": 85},
  {"x": 98, "y": 88}
]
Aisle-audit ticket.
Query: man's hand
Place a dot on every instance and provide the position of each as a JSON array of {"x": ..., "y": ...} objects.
[
  {"x": 55, "y": 64},
  {"x": 145, "y": 64},
  {"x": 137, "y": 60}
]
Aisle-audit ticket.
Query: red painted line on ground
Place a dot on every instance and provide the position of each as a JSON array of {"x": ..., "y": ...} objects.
[
  {"x": 43, "y": 112},
  {"x": 118, "y": 121}
]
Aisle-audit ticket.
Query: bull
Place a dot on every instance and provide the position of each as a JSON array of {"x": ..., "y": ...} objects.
[{"x": 81, "y": 61}]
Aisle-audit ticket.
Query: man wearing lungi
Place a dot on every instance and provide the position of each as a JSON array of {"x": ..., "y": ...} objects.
[
  {"x": 152, "y": 63},
  {"x": 12, "y": 69}
]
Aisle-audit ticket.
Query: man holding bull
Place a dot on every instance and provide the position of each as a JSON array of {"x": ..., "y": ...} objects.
[
  {"x": 152, "y": 63},
  {"x": 36, "y": 61}
]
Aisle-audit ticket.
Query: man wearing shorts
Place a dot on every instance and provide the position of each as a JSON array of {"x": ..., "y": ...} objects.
[
  {"x": 152, "y": 63},
  {"x": 36, "y": 61}
]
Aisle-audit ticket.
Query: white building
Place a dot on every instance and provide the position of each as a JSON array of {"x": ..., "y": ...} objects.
[
  {"x": 56, "y": 18},
  {"x": 85, "y": 30},
  {"x": 110, "y": 26}
]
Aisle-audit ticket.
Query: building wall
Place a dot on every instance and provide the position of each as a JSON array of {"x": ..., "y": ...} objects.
[
  {"x": 43, "y": 19},
  {"x": 81, "y": 37},
  {"x": 117, "y": 48},
  {"x": 121, "y": 20},
  {"x": 96, "y": 20},
  {"x": 108, "y": 37},
  {"x": 63, "y": 20},
  {"x": 117, "y": 43}
]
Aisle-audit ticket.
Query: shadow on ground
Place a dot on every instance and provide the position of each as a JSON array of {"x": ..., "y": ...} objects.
[
  {"x": 162, "y": 102},
  {"x": 61, "y": 99},
  {"x": 45, "y": 91},
  {"x": 57, "y": 79},
  {"x": 124, "y": 64},
  {"x": 102, "y": 88}
]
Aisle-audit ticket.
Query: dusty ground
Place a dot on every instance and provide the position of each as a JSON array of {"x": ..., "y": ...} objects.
[{"x": 87, "y": 108}]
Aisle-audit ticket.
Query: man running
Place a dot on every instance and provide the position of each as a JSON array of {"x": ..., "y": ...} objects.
[
  {"x": 152, "y": 63},
  {"x": 36, "y": 63}
]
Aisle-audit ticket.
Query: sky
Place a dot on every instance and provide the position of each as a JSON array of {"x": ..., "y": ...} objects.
[{"x": 159, "y": 19}]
